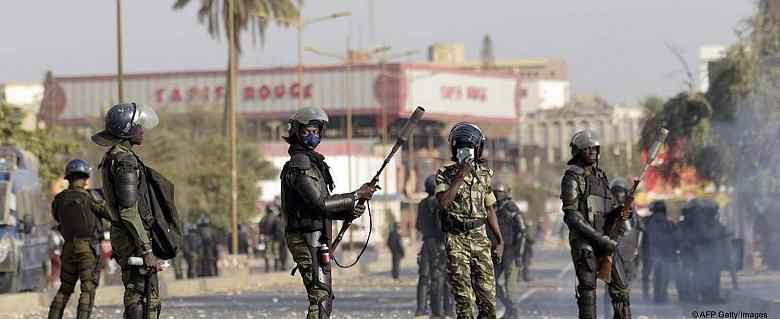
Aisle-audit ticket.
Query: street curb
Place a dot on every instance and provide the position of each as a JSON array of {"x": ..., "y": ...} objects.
[{"x": 113, "y": 295}]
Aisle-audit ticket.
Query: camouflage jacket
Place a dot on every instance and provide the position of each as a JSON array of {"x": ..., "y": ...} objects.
[{"x": 474, "y": 197}]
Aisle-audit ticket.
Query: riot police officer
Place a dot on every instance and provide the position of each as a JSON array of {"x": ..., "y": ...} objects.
[
  {"x": 589, "y": 209},
  {"x": 432, "y": 259},
  {"x": 78, "y": 213},
  {"x": 209, "y": 254},
  {"x": 125, "y": 125},
  {"x": 662, "y": 247},
  {"x": 464, "y": 191},
  {"x": 513, "y": 229},
  {"x": 629, "y": 244},
  {"x": 192, "y": 245},
  {"x": 686, "y": 254},
  {"x": 309, "y": 207},
  {"x": 267, "y": 229},
  {"x": 710, "y": 239}
]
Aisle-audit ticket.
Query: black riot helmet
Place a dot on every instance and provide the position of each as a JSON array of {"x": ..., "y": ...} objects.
[
  {"x": 708, "y": 207},
  {"x": 307, "y": 116},
  {"x": 430, "y": 184},
  {"x": 619, "y": 188},
  {"x": 689, "y": 208},
  {"x": 76, "y": 169},
  {"x": 125, "y": 121},
  {"x": 466, "y": 134},
  {"x": 580, "y": 142},
  {"x": 658, "y": 206},
  {"x": 618, "y": 184},
  {"x": 501, "y": 190}
]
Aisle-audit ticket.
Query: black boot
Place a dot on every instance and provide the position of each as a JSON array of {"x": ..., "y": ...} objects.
[
  {"x": 621, "y": 308},
  {"x": 586, "y": 303},
  {"x": 56, "y": 310},
  {"x": 84, "y": 311}
]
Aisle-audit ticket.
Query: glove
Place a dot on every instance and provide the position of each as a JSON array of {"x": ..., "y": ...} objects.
[
  {"x": 358, "y": 211},
  {"x": 498, "y": 252},
  {"x": 496, "y": 260},
  {"x": 607, "y": 244},
  {"x": 366, "y": 191},
  {"x": 151, "y": 262}
]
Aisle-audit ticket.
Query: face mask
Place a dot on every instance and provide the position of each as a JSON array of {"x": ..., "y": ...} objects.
[
  {"x": 464, "y": 154},
  {"x": 311, "y": 141}
]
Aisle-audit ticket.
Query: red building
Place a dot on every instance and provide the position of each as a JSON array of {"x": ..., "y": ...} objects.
[{"x": 375, "y": 94}]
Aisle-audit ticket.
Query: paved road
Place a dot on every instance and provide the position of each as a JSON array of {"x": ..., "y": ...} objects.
[{"x": 551, "y": 295}]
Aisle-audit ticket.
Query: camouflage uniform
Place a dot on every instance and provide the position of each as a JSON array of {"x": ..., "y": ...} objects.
[
  {"x": 469, "y": 256},
  {"x": 128, "y": 235},
  {"x": 78, "y": 212}
]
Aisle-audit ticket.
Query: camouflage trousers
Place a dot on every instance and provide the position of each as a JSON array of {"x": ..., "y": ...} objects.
[
  {"x": 319, "y": 285},
  {"x": 80, "y": 261},
  {"x": 470, "y": 273}
]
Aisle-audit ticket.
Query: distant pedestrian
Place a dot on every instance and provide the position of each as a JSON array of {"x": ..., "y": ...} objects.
[{"x": 396, "y": 248}]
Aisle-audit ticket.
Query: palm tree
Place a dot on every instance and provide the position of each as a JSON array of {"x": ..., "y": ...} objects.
[
  {"x": 250, "y": 15},
  {"x": 238, "y": 16}
]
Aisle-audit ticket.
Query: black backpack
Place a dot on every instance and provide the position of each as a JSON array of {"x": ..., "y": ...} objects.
[{"x": 158, "y": 212}]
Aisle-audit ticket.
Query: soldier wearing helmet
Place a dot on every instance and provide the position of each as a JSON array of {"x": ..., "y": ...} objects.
[
  {"x": 209, "y": 255},
  {"x": 661, "y": 249},
  {"x": 513, "y": 229},
  {"x": 309, "y": 207},
  {"x": 78, "y": 213},
  {"x": 629, "y": 244},
  {"x": 464, "y": 191},
  {"x": 710, "y": 239},
  {"x": 125, "y": 125},
  {"x": 588, "y": 206},
  {"x": 686, "y": 228},
  {"x": 432, "y": 259}
]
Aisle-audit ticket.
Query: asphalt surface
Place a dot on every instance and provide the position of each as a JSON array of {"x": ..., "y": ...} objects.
[{"x": 550, "y": 295}]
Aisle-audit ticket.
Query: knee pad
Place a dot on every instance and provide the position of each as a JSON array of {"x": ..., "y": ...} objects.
[
  {"x": 134, "y": 311},
  {"x": 620, "y": 295},
  {"x": 324, "y": 307}
]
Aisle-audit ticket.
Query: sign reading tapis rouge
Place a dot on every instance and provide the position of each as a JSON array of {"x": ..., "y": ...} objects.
[
  {"x": 264, "y": 92},
  {"x": 274, "y": 92}
]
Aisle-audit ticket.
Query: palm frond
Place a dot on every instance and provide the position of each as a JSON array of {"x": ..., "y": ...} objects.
[
  {"x": 251, "y": 15},
  {"x": 180, "y": 4}
]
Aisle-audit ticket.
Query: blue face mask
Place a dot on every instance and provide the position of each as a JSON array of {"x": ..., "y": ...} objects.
[{"x": 311, "y": 141}]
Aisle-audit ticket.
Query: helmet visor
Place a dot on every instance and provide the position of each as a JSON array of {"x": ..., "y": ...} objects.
[{"x": 145, "y": 117}]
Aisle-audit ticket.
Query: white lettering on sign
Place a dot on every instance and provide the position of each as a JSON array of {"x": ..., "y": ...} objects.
[
  {"x": 217, "y": 93},
  {"x": 456, "y": 92},
  {"x": 463, "y": 94}
]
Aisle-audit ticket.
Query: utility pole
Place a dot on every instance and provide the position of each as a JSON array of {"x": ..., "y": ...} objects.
[
  {"x": 231, "y": 106},
  {"x": 119, "y": 72}
]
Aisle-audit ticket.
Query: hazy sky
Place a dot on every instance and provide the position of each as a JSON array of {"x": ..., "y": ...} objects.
[{"x": 614, "y": 48}]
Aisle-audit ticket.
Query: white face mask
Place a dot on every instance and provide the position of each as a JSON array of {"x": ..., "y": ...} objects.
[{"x": 464, "y": 154}]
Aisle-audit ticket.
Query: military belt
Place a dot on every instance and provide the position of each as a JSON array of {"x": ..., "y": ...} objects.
[{"x": 463, "y": 226}]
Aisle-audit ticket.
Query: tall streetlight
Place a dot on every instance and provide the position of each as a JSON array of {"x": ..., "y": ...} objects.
[
  {"x": 347, "y": 92},
  {"x": 348, "y": 62},
  {"x": 299, "y": 25},
  {"x": 119, "y": 73},
  {"x": 231, "y": 107}
]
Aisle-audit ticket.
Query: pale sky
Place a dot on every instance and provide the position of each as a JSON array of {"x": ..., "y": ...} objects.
[{"x": 614, "y": 48}]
